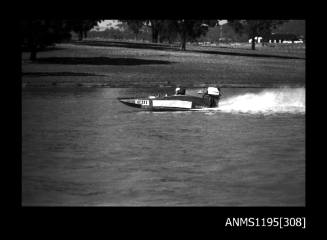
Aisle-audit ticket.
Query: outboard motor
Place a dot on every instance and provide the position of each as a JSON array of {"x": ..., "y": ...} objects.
[{"x": 212, "y": 96}]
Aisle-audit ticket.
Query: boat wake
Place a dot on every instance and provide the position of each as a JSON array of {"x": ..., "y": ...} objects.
[{"x": 269, "y": 101}]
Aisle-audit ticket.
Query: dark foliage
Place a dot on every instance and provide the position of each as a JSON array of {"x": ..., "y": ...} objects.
[
  {"x": 170, "y": 30},
  {"x": 255, "y": 28},
  {"x": 38, "y": 34}
]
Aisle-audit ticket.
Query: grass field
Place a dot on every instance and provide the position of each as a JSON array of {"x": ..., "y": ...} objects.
[{"x": 128, "y": 64}]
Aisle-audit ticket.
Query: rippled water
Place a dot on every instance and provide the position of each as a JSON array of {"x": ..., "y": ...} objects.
[{"x": 81, "y": 146}]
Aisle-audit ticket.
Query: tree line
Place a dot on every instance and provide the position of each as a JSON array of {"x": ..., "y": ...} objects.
[
  {"x": 37, "y": 34},
  {"x": 171, "y": 30},
  {"x": 189, "y": 30}
]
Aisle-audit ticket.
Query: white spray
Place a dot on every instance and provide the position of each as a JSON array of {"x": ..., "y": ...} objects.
[{"x": 283, "y": 100}]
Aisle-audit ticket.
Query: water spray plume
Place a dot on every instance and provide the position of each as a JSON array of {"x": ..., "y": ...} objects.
[{"x": 283, "y": 100}]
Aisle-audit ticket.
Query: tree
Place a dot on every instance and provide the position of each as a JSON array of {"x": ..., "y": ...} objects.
[
  {"x": 81, "y": 27},
  {"x": 192, "y": 29},
  {"x": 168, "y": 31},
  {"x": 135, "y": 26},
  {"x": 255, "y": 28},
  {"x": 161, "y": 29},
  {"x": 171, "y": 29},
  {"x": 156, "y": 26},
  {"x": 37, "y": 34}
]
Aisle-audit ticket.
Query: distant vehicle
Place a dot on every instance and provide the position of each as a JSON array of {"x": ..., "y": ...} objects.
[
  {"x": 284, "y": 38},
  {"x": 225, "y": 40},
  {"x": 177, "y": 102},
  {"x": 299, "y": 41},
  {"x": 206, "y": 44}
]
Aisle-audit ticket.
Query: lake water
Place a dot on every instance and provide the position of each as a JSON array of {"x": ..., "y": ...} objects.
[{"x": 81, "y": 146}]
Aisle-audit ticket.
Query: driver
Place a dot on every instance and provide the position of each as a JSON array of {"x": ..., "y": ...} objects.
[{"x": 180, "y": 91}]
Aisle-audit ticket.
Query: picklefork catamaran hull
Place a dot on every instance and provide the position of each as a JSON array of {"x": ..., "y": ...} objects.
[{"x": 169, "y": 103}]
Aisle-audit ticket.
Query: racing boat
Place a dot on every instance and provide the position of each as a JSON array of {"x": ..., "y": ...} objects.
[{"x": 177, "y": 102}]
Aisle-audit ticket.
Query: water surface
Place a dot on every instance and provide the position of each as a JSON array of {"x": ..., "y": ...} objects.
[{"x": 80, "y": 146}]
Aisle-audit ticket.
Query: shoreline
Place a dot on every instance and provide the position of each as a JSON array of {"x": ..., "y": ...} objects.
[
  {"x": 83, "y": 85},
  {"x": 127, "y": 65}
]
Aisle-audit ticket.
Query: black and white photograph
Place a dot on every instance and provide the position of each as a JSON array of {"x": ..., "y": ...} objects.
[{"x": 163, "y": 112}]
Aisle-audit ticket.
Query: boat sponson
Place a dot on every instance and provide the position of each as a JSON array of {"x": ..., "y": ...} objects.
[
  {"x": 129, "y": 102},
  {"x": 175, "y": 102}
]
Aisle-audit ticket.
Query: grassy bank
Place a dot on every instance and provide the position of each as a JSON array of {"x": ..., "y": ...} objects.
[{"x": 126, "y": 64}]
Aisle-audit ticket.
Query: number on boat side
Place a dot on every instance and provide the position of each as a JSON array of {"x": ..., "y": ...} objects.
[{"x": 143, "y": 102}]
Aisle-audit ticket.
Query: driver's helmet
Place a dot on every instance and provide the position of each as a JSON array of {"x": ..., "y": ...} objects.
[
  {"x": 177, "y": 90},
  {"x": 180, "y": 91}
]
